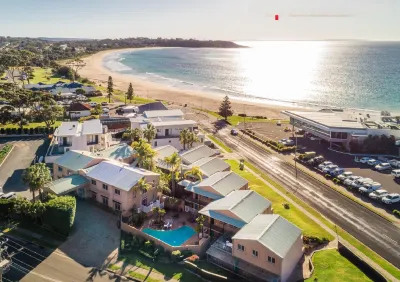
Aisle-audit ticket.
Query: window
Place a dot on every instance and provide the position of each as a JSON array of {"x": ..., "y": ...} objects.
[
  {"x": 94, "y": 195},
  {"x": 240, "y": 248},
  {"x": 271, "y": 260},
  {"x": 105, "y": 187},
  {"x": 255, "y": 253},
  {"x": 118, "y": 192},
  {"x": 117, "y": 206},
  {"x": 60, "y": 169},
  {"x": 94, "y": 182},
  {"x": 155, "y": 143},
  {"x": 105, "y": 201}
]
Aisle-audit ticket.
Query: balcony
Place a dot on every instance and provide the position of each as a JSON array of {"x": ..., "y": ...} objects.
[
  {"x": 92, "y": 143},
  {"x": 166, "y": 137},
  {"x": 189, "y": 200},
  {"x": 147, "y": 209}
]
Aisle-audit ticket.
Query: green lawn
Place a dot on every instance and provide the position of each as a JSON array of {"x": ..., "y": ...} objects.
[
  {"x": 4, "y": 151},
  {"x": 331, "y": 266},
  {"x": 30, "y": 125},
  {"x": 220, "y": 143},
  {"x": 42, "y": 75},
  {"x": 294, "y": 215},
  {"x": 142, "y": 277}
]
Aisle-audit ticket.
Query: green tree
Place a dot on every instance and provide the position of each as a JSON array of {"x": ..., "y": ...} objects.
[
  {"x": 136, "y": 134},
  {"x": 110, "y": 88},
  {"x": 192, "y": 138},
  {"x": 200, "y": 223},
  {"x": 80, "y": 91},
  {"x": 129, "y": 94},
  {"x": 150, "y": 132},
  {"x": 21, "y": 206},
  {"x": 75, "y": 65},
  {"x": 36, "y": 177},
  {"x": 194, "y": 172},
  {"x": 14, "y": 61},
  {"x": 225, "y": 109},
  {"x": 163, "y": 184},
  {"x": 29, "y": 73},
  {"x": 36, "y": 210},
  {"x": 144, "y": 152},
  {"x": 46, "y": 110},
  {"x": 174, "y": 163},
  {"x": 142, "y": 186},
  {"x": 97, "y": 110},
  {"x": 184, "y": 137}
]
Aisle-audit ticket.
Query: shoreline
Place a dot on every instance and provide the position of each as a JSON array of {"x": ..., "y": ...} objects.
[{"x": 97, "y": 72}]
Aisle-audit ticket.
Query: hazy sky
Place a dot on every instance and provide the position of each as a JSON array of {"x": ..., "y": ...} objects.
[{"x": 203, "y": 19}]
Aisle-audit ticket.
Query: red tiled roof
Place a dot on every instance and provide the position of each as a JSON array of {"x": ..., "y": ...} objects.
[{"x": 78, "y": 107}]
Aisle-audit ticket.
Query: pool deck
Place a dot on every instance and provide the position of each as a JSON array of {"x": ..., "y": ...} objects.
[{"x": 183, "y": 219}]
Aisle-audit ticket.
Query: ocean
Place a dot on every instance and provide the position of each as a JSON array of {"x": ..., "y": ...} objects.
[{"x": 298, "y": 73}]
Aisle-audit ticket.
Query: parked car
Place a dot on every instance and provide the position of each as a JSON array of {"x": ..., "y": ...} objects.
[
  {"x": 324, "y": 164},
  {"x": 364, "y": 160},
  {"x": 361, "y": 182},
  {"x": 370, "y": 187},
  {"x": 336, "y": 171},
  {"x": 378, "y": 194},
  {"x": 342, "y": 177},
  {"x": 394, "y": 163},
  {"x": 106, "y": 110},
  {"x": 383, "y": 167},
  {"x": 391, "y": 198},
  {"x": 234, "y": 132},
  {"x": 9, "y": 195},
  {"x": 93, "y": 104},
  {"x": 396, "y": 173},
  {"x": 316, "y": 161},
  {"x": 373, "y": 162},
  {"x": 351, "y": 179},
  {"x": 329, "y": 168},
  {"x": 104, "y": 103}
]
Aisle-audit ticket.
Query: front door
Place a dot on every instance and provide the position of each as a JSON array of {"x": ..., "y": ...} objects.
[{"x": 166, "y": 132}]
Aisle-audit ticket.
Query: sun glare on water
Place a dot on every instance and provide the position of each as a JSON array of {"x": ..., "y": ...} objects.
[{"x": 280, "y": 69}]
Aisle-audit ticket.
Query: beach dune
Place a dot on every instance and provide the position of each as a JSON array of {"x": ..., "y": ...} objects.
[{"x": 95, "y": 71}]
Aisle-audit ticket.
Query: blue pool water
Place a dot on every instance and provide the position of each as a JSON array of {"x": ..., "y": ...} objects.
[{"x": 172, "y": 237}]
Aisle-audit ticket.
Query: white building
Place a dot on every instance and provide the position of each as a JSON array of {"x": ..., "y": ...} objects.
[
  {"x": 169, "y": 124},
  {"x": 78, "y": 110},
  {"x": 89, "y": 136}
]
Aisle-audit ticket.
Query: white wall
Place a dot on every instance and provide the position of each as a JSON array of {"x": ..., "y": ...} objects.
[
  {"x": 79, "y": 114},
  {"x": 291, "y": 259}
]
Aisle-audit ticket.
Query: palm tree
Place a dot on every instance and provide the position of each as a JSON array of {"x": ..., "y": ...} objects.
[
  {"x": 174, "y": 163},
  {"x": 36, "y": 210},
  {"x": 142, "y": 186},
  {"x": 194, "y": 172},
  {"x": 200, "y": 223},
  {"x": 184, "y": 137},
  {"x": 21, "y": 206},
  {"x": 136, "y": 134},
  {"x": 163, "y": 184},
  {"x": 149, "y": 132},
  {"x": 144, "y": 153},
  {"x": 192, "y": 139},
  {"x": 36, "y": 177}
]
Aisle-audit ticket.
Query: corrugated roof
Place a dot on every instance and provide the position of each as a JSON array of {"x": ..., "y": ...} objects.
[
  {"x": 121, "y": 151},
  {"x": 197, "y": 153},
  {"x": 162, "y": 153},
  {"x": 223, "y": 182},
  {"x": 75, "y": 160},
  {"x": 174, "y": 122},
  {"x": 199, "y": 191},
  {"x": 92, "y": 127},
  {"x": 68, "y": 128},
  {"x": 228, "y": 220},
  {"x": 209, "y": 166},
  {"x": 245, "y": 204},
  {"x": 163, "y": 113},
  {"x": 67, "y": 184},
  {"x": 119, "y": 175},
  {"x": 271, "y": 230},
  {"x": 78, "y": 107},
  {"x": 155, "y": 106}
]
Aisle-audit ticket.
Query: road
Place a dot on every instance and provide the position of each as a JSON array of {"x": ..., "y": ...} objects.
[
  {"x": 377, "y": 233},
  {"x": 31, "y": 263}
]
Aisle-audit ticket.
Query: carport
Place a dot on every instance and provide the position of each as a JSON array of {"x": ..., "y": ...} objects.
[{"x": 63, "y": 186}]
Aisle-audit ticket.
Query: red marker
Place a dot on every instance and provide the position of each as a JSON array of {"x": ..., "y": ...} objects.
[{"x": 277, "y": 17}]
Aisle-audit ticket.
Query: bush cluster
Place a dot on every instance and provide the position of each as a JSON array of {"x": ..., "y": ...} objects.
[
  {"x": 82, "y": 119},
  {"x": 269, "y": 142},
  {"x": 30, "y": 131},
  {"x": 60, "y": 214},
  {"x": 396, "y": 213}
]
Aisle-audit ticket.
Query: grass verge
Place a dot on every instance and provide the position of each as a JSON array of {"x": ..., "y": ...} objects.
[
  {"x": 142, "y": 277},
  {"x": 330, "y": 265},
  {"x": 4, "y": 151},
  {"x": 30, "y": 125},
  {"x": 294, "y": 215},
  {"x": 220, "y": 143}
]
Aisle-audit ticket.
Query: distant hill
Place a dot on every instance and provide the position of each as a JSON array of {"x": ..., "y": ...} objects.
[{"x": 58, "y": 39}]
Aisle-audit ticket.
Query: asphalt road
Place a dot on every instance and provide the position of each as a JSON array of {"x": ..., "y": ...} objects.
[
  {"x": 377, "y": 233},
  {"x": 31, "y": 263}
]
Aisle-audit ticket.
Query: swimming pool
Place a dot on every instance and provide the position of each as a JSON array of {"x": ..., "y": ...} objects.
[{"x": 172, "y": 237}]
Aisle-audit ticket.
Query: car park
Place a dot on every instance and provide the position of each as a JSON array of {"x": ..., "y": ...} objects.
[
  {"x": 316, "y": 161},
  {"x": 378, "y": 194},
  {"x": 324, "y": 164},
  {"x": 370, "y": 187},
  {"x": 391, "y": 198},
  {"x": 383, "y": 167},
  {"x": 361, "y": 182},
  {"x": 364, "y": 160},
  {"x": 396, "y": 173},
  {"x": 351, "y": 179},
  {"x": 394, "y": 163},
  {"x": 373, "y": 162},
  {"x": 342, "y": 177},
  {"x": 329, "y": 168}
]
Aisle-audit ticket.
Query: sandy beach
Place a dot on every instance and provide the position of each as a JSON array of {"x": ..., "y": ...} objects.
[{"x": 95, "y": 71}]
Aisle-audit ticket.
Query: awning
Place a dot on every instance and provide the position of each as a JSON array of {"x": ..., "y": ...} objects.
[{"x": 67, "y": 184}]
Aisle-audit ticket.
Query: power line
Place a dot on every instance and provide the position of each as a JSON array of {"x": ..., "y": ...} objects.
[
  {"x": 5, "y": 279},
  {"x": 12, "y": 241}
]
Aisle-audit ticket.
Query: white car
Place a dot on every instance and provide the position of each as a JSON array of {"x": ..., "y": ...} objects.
[
  {"x": 9, "y": 195},
  {"x": 373, "y": 162},
  {"x": 337, "y": 171},
  {"x": 344, "y": 175},
  {"x": 324, "y": 164},
  {"x": 391, "y": 198},
  {"x": 383, "y": 167},
  {"x": 364, "y": 160},
  {"x": 93, "y": 104},
  {"x": 351, "y": 179},
  {"x": 378, "y": 194},
  {"x": 396, "y": 173},
  {"x": 329, "y": 168},
  {"x": 361, "y": 182},
  {"x": 394, "y": 163},
  {"x": 106, "y": 110},
  {"x": 370, "y": 187}
]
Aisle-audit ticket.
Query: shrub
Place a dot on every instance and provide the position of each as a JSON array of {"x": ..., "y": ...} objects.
[
  {"x": 82, "y": 119},
  {"x": 396, "y": 213},
  {"x": 327, "y": 176},
  {"x": 242, "y": 115},
  {"x": 60, "y": 214},
  {"x": 19, "y": 131},
  {"x": 122, "y": 244},
  {"x": 6, "y": 206},
  {"x": 148, "y": 245},
  {"x": 186, "y": 253},
  {"x": 2, "y": 131},
  {"x": 175, "y": 255},
  {"x": 13, "y": 131},
  {"x": 31, "y": 131},
  {"x": 286, "y": 205},
  {"x": 36, "y": 130},
  {"x": 26, "y": 130}
]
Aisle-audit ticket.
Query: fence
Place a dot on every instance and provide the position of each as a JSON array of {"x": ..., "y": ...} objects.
[{"x": 196, "y": 249}]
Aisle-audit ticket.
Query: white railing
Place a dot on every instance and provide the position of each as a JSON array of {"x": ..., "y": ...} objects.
[{"x": 147, "y": 209}]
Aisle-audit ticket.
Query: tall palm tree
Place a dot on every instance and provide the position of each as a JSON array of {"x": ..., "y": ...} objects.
[
  {"x": 163, "y": 184},
  {"x": 150, "y": 132},
  {"x": 174, "y": 163},
  {"x": 200, "y": 223},
  {"x": 142, "y": 186},
  {"x": 192, "y": 139},
  {"x": 184, "y": 137},
  {"x": 194, "y": 172},
  {"x": 136, "y": 134},
  {"x": 36, "y": 177},
  {"x": 144, "y": 153}
]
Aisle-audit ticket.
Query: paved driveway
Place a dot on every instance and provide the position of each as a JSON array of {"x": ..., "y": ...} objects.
[
  {"x": 95, "y": 235},
  {"x": 20, "y": 158}
]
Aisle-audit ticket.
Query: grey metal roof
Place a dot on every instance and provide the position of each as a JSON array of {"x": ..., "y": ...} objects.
[
  {"x": 173, "y": 122},
  {"x": 92, "y": 127},
  {"x": 117, "y": 174},
  {"x": 271, "y": 230},
  {"x": 75, "y": 160},
  {"x": 223, "y": 182},
  {"x": 121, "y": 151},
  {"x": 68, "y": 128},
  {"x": 197, "y": 153},
  {"x": 67, "y": 184},
  {"x": 209, "y": 166},
  {"x": 162, "y": 153},
  {"x": 163, "y": 113},
  {"x": 245, "y": 204},
  {"x": 155, "y": 106}
]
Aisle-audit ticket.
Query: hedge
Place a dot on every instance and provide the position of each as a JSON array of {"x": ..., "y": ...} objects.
[
  {"x": 60, "y": 214},
  {"x": 396, "y": 213},
  {"x": 30, "y": 131},
  {"x": 5, "y": 206}
]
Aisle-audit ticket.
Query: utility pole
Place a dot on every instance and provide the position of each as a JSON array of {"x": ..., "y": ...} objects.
[{"x": 4, "y": 262}]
